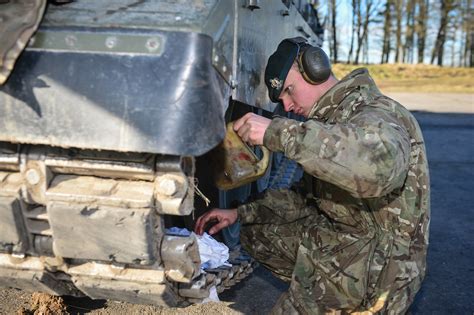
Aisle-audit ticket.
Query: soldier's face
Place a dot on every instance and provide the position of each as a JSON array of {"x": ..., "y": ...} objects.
[{"x": 297, "y": 95}]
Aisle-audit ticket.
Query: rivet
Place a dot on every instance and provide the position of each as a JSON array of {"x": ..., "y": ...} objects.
[
  {"x": 111, "y": 42},
  {"x": 70, "y": 40}
]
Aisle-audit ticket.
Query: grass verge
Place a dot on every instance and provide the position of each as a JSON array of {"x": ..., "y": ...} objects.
[{"x": 416, "y": 78}]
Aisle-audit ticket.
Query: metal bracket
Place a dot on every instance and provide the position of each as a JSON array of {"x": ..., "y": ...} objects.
[{"x": 98, "y": 41}]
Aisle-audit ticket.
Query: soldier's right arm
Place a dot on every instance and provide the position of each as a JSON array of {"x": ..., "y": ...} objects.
[{"x": 368, "y": 156}]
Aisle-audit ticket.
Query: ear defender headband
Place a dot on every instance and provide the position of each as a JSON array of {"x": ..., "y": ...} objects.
[{"x": 313, "y": 63}]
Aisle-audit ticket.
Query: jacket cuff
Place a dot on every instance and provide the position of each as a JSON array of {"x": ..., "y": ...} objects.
[
  {"x": 272, "y": 138},
  {"x": 246, "y": 213}
]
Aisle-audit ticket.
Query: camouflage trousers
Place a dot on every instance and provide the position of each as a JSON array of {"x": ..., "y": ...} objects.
[
  {"x": 328, "y": 271},
  {"x": 275, "y": 246}
]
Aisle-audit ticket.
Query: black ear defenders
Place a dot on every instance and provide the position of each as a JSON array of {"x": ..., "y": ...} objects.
[{"x": 313, "y": 63}]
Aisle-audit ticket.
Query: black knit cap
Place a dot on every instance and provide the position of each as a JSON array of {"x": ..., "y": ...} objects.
[{"x": 278, "y": 66}]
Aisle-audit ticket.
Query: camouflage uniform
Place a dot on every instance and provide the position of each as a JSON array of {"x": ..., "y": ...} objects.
[{"x": 357, "y": 240}]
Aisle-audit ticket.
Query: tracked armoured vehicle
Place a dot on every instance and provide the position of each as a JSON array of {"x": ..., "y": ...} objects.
[{"x": 104, "y": 108}]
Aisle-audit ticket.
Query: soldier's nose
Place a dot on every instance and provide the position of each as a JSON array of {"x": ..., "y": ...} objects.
[{"x": 286, "y": 105}]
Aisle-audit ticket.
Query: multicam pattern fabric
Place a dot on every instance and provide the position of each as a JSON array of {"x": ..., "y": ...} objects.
[
  {"x": 356, "y": 239},
  {"x": 19, "y": 19}
]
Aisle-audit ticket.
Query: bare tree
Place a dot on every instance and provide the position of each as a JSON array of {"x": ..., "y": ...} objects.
[
  {"x": 447, "y": 6},
  {"x": 387, "y": 30},
  {"x": 421, "y": 27},
  {"x": 470, "y": 51},
  {"x": 355, "y": 19},
  {"x": 466, "y": 56},
  {"x": 334, "y": 31},
  {"x": 452, "y": 40},
  {"x": 364, "y": 18},
  {"x": 409, "y": 32},
  {"x": 398, "y": 30},
  {"x": 366, "y": 50},
  {"x": 361, "y": 30},
  {"x": 454, "y": 36},
  {"x": 463, "y": 33}
]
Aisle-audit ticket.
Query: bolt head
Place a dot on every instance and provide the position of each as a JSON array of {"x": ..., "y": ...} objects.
[
  {"x": 167, "y": 186},
  {"x": 152, "y": 44},
  {"x": 32, "y": 176}
]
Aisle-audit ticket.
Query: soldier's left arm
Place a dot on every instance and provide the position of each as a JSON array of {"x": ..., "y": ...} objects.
[{"x": 367, "y": 156}]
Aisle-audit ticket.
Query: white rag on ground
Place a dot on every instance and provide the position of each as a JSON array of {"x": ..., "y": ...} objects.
[{"x": 213, "y": 254}]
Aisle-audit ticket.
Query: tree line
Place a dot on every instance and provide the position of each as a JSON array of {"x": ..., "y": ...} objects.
[{"x": 438, "y": 32}]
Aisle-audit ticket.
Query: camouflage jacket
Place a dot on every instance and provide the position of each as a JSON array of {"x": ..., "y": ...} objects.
[{"x": 367, "y": 160}]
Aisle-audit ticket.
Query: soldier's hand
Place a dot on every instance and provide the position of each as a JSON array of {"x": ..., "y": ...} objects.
[
  {"x": 251, "y": 128},
  {"x": 224, "y": 218}
]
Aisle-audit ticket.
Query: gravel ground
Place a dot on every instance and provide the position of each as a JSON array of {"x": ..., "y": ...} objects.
[{"x": 436, "y": 102}]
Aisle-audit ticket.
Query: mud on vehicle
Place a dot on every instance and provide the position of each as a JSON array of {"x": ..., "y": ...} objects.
[{"x": 107, "y": 111}]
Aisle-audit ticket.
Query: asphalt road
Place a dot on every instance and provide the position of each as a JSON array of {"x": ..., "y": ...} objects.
[{"x": 449, "y": 284}]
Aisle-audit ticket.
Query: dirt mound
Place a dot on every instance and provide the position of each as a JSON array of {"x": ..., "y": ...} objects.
[{"x": 44, "y": 304}]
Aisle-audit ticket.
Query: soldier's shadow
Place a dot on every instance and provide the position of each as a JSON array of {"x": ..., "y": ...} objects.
[
  {"x": 82, "y": 305},
  {"x": 256, "y": 294}
]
